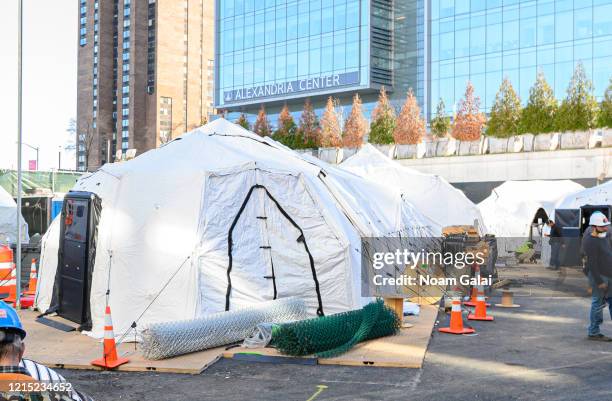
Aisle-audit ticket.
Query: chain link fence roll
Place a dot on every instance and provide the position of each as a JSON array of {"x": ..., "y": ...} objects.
[
  {"x": 330, "y": 336},
  {"x": 165, "y": 340}
]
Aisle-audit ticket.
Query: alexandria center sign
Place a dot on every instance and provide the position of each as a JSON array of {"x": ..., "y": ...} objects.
[{"x": 287, "y": 88}]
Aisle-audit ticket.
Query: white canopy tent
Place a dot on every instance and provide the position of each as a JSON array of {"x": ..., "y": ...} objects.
[
  {"x": 431, "y": 194},
  {"x": 598, "y": 195},
  {"x": 223, "y": 218},
  {"x": 512, "y": 207},
  {"x": 8, "y": 220}
]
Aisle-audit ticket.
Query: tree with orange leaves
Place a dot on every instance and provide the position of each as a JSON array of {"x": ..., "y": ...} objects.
[
  {"x": 469, "y": 121},
  {"x": 410, "y": 126},
  {"x": 356, "y": 125},
  {"x": 262, "y": 125},
  {"x": 330, "y": 134}
]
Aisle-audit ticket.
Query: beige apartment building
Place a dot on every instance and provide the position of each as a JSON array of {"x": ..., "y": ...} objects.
[{"x": 145, "y": 74}]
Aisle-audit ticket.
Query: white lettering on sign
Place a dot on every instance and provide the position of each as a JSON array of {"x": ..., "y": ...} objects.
[{"x": 284, "y": 88}]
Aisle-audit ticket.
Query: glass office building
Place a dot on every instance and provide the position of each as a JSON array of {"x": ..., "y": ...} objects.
[
  {"x": 274, "y": 52},
  {"x": 284, "y": 51},
  {"x": 487, "y": 40}
]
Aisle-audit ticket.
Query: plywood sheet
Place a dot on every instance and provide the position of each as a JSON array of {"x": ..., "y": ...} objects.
[
  {"x": 405, "y": 350},
  {"x": 73, "y": 350}
]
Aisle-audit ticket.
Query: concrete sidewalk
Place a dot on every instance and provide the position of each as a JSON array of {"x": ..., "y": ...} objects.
[{"x": 536, "y": 352}]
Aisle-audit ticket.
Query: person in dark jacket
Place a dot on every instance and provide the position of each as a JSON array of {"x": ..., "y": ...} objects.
[
  {"x": 556, "y": 242},
  {"x": 597, "y": 248}
]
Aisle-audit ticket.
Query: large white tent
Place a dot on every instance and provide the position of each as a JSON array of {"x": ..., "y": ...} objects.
[
  {"x": 598, "y": 195},
  {"x": 223, "y": 218},
  {"x": 8, "y": 220},
  {"x": 431, "y": 194},
  {"x": 512, "y": 207}
]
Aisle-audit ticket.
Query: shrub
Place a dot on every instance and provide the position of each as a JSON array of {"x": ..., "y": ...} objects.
[
  {"x": 505, "y": 113},
  {"x": 440, "y": 124},
  {"x": 578, "y": 111},
  {"x": 539, "y": 114},
  {"x": 243, "y": 122},
  {"x": 383, "y": 120},
  {"x": 605, "y": 108}
]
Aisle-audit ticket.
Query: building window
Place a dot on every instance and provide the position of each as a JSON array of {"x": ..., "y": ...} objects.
[
  {"x": 515, "y": 39},
  {"x": 83, "y": 23},
  {"x": 165, "y": 119},
  {"x": 151, "y": 48}
]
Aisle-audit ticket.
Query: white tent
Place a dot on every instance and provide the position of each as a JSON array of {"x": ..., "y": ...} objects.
[
  {"x": 223, "y": 218},
  {"x": 8, "y": 220},
  {"x": 512, "y": 207},
  {"x": 598, "y": 195},
  {"x": 431, "y": 194}
]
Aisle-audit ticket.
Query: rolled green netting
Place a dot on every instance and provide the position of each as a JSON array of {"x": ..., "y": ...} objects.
[{"x": 333, "y": 335}]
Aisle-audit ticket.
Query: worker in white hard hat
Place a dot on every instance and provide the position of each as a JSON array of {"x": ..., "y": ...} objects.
[{"x": 597, "y": 248}]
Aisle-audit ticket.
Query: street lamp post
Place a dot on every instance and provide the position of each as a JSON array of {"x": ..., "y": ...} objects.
[
  {"x": 36, "y": 149},
  {"x": 19, "y": 135}
]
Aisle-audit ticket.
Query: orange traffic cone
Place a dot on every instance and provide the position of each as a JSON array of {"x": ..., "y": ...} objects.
[
  {"x": 474, "y": 295},
  {"x": 6, "y": 268},
  {"x": 33, "y": 279},
  {"x": 456, "y": 321},
  {"x": 12, "y": 288},
  {"x": 109, "y": 359},
  {"x": 480, "y": 312}
]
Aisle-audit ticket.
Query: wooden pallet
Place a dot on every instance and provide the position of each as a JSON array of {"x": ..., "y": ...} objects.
[{"x": 73, "y": 350}]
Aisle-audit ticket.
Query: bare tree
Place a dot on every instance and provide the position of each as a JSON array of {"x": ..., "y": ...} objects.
[
  {"x": 70, "y": 142},
  {"x": 84, "y": 141}
]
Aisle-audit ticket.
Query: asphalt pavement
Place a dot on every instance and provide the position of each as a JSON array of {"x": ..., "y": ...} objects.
[{"x": 536, "y": 352}]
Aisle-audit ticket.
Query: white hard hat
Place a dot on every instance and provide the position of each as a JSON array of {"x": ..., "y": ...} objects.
[{"x": 598, "y": 219}]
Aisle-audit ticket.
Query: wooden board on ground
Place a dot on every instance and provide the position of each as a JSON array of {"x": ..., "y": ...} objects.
[
  {"x": 405, "y": 350},
  {"x": 57, "y": 349},
  {"x": 72, "y": 350},
  {"x": 426, "y": 300}
]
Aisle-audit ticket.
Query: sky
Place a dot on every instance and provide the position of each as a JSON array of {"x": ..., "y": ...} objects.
[{"x": 49, "y": 80}]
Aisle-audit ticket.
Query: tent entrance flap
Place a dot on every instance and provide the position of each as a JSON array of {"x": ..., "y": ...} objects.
[
  {"x": 282, "y": 240},
  {"x": 76, "y": 256}
]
